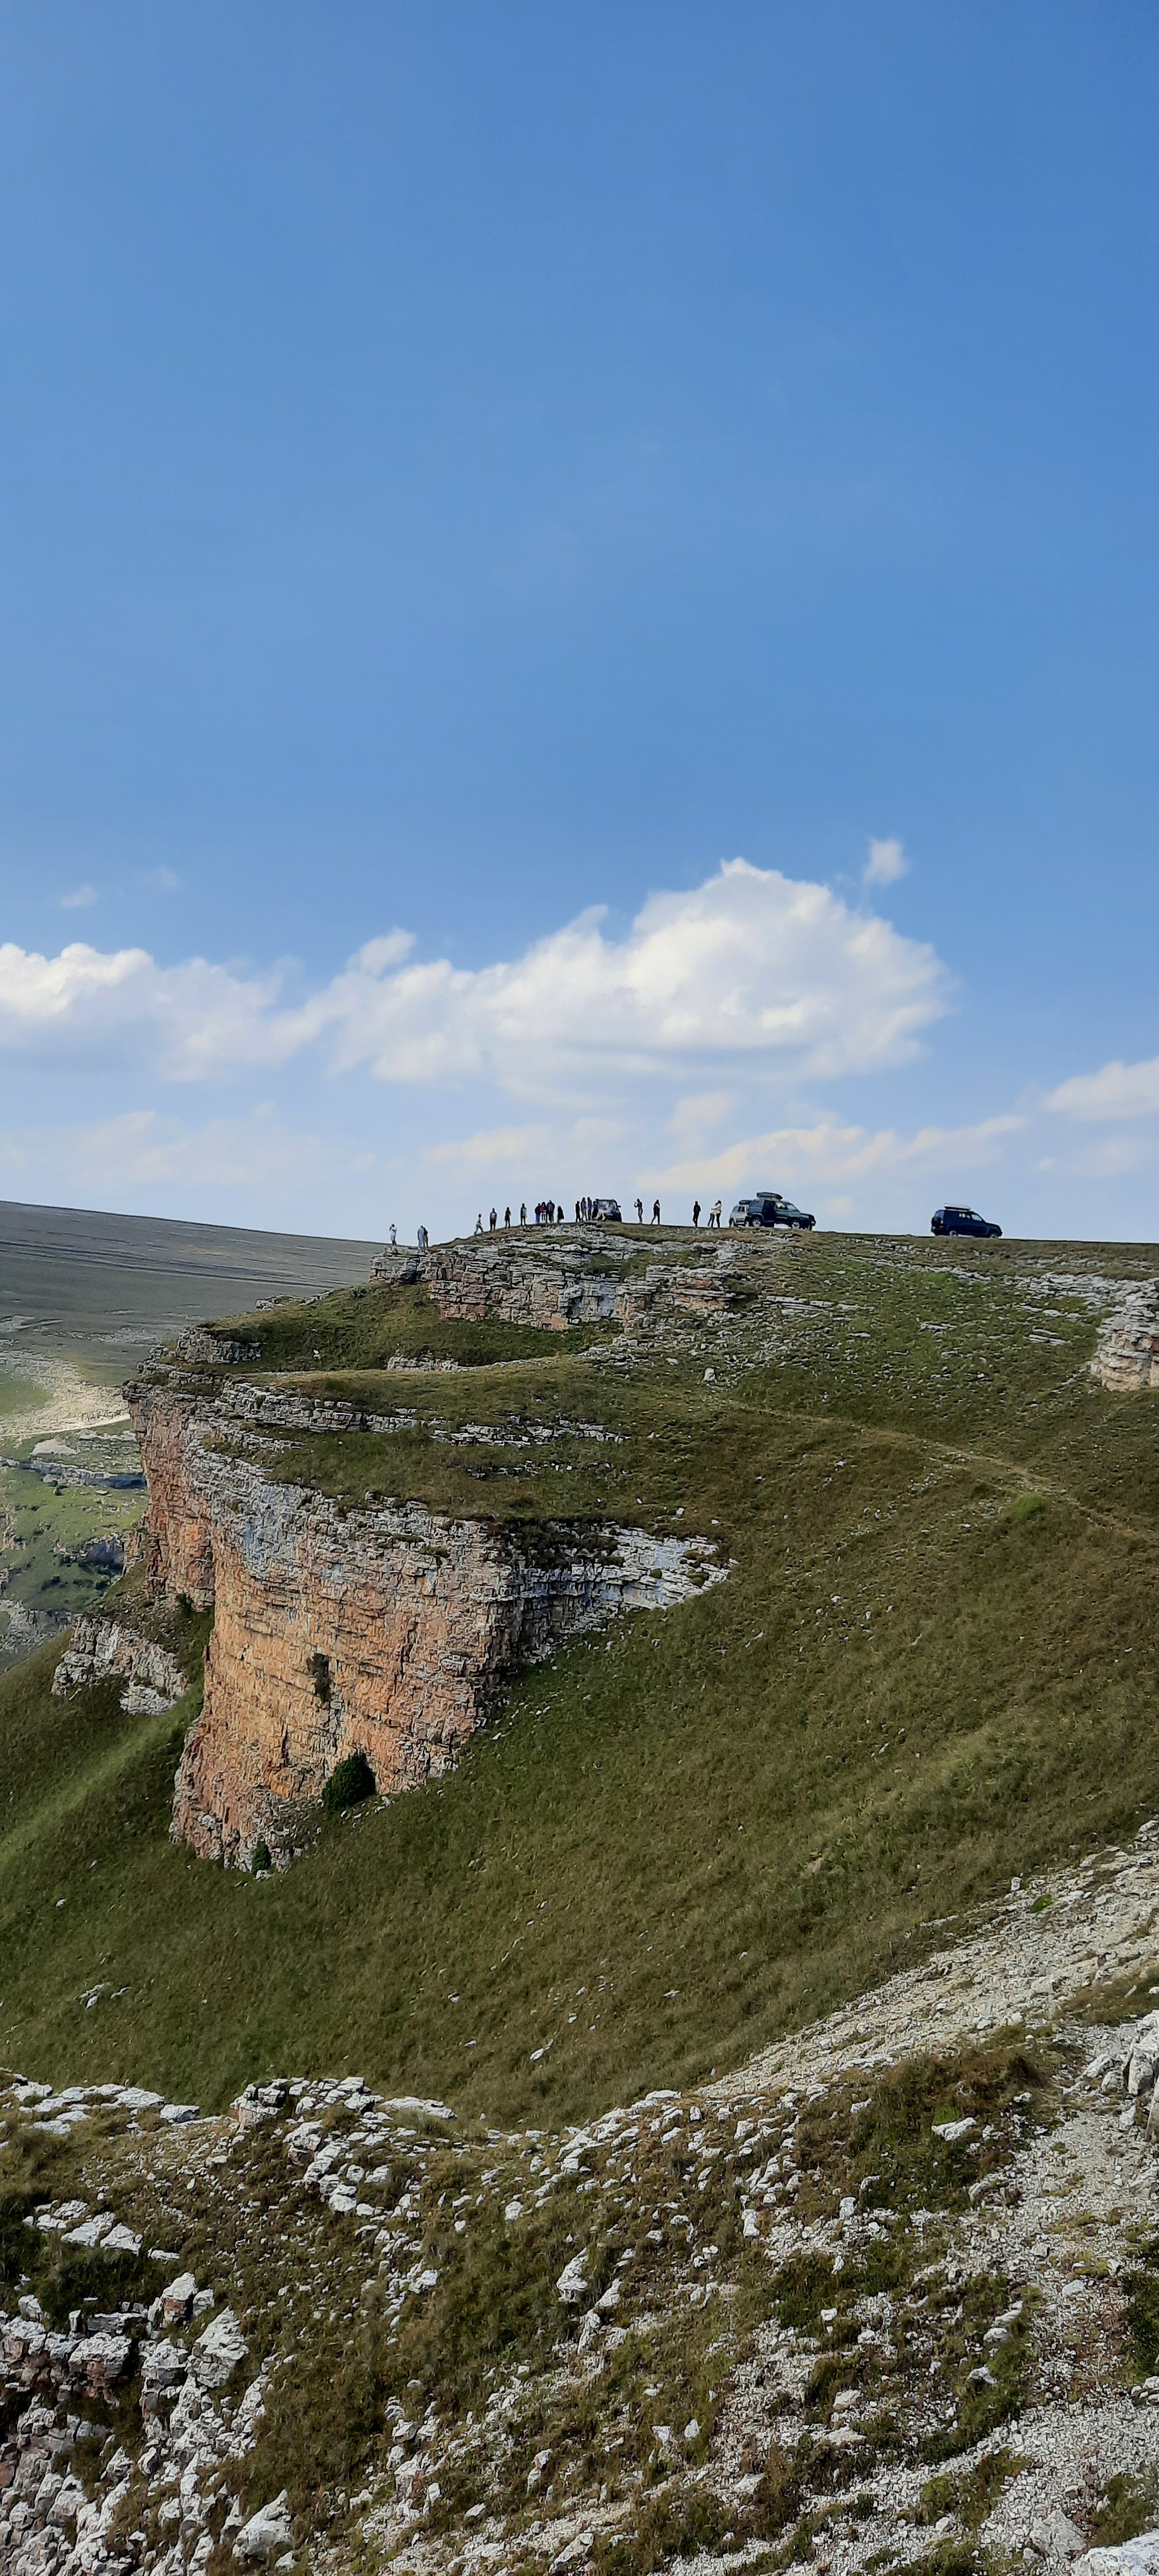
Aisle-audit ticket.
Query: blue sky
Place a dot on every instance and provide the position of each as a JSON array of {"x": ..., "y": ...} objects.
[{"x": 468, "y": 471}]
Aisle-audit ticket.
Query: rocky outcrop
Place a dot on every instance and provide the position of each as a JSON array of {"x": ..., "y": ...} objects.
[
  {"x": 1127, "y": 1357},
  {"x": 388, "y": 1630},
  {"x": 100, "y": 1650},
  {"x": 559, "y": 1282},
  {"x": 951, "y": 2348}
]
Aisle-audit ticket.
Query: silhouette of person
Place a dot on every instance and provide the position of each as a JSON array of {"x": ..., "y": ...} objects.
[
  {"x": 655, "y": 1211},
  {"x": 696, "y": 1211},
  {"x": 639, "y": 1211}
]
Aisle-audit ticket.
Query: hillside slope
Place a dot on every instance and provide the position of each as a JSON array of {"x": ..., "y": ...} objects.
[
  {"x": 889, "y": 2299},
  {"x": 932, "y": 1666}
]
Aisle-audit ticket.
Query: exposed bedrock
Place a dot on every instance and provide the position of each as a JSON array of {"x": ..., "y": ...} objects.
[
  {"x": 1127, "y": 1357},
  {"x": 387, "y": 1629},
  {"x": 552, "y": 1280},
  {"x": 101, "y": 1650}
]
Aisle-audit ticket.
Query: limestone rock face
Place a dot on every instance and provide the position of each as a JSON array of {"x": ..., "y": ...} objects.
[
  {"x": 550, "y": 1280},
  {"x": 387, "y": 1630},
  {"x": 101, "y": 1650},
  {"x": 177, "y": 1545},
  {"x": 1127, "y": 1357}
]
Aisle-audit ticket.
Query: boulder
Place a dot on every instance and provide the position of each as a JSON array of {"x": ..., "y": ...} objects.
[
  {"x": 217, "y": 2352},
  {"x": 177, "y": 2300},
  {"x": 572, "y": 2282},
  {"x": 268, "y": 2531}
]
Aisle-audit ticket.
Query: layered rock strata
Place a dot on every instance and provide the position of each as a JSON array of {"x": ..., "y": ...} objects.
[
  {"x": 1127, "y": 1357},
  {"x": 388, "y": 1630},
  {"x": 554, "y": 1282}
]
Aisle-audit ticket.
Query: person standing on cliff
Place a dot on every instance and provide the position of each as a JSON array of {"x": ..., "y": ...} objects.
[
  {"x": 696, "y": 1212},
  {"x": 479, "y": 1222},
  {"x": 507, "y": 1220},
  {"x": 714, "y": 1214},
  {"x": 655, "y": 1211},
  {"x": 639, "y": 1211},
  {"x": 422, "y": 1238},
  {"x": 523, "y": 1211}
]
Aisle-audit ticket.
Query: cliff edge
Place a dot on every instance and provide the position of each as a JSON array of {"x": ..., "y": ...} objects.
[{"x": 357, "y": 1621}]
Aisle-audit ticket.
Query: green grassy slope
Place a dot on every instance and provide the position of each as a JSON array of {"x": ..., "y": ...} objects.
[
  {"x": 365, "y": 1327},
  {"x": 933, "y": 1665}
]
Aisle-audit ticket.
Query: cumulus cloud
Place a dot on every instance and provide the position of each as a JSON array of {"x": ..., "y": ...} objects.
[
  {"x": 120, "y": 1007},
  {"x": 1117, "y": 1091},
  {"x": 751, "y": 969},
  {"x": 80, "y": 897},
  {"x": 750, "y": 965},
  {"x": 887, "y": 862}
]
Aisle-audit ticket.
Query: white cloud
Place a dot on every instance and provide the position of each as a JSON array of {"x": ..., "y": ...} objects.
[
  {"x": 695, "y": 1118},
  {"x": 750, "y": 966},
  {"x": 141, "y": 1150},
  {"x": 80, "y": 897},
  {"x": 830, "y": 1151},
  {"x": 887, "y": 862},
  {"x": 752, "y": 969},
  {"x": 502, "y": 1145},
  {"x": 1118, "y": 1091}
]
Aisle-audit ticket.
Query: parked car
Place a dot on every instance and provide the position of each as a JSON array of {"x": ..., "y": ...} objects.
[
  {"x": 607, "y": 1211},
  {"x": 961, "y": 1220},
  {"x": 767, "y": 1207}
]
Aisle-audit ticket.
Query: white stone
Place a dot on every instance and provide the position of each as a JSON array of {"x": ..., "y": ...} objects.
[
  {"x": 217, "y": 2352},
  {"x": 1139, "y": 2557},
  {"x": 268, "y": 2531},
  {"x": 177, "y": 2300},
  {"x": 572, "y": 2282}
]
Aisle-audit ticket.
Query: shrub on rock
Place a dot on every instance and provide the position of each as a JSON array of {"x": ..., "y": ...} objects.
[{"x": 350, "y": 1782}]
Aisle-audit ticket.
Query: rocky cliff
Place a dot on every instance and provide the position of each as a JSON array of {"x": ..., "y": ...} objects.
[
  {"x": 559, "y": 1281},
  {"x": 388, "y": 1629}
]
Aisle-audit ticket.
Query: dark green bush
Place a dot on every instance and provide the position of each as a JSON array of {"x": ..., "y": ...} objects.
[
  {"x": 350, "y": 1782},
  {"x": 262, "y": 1856}
]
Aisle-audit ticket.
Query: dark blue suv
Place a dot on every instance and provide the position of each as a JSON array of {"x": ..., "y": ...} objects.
[{"x": 961, "y": 1220}]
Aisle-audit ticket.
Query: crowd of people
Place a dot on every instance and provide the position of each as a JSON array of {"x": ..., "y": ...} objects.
[{"x": 552, "y": 1212}]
